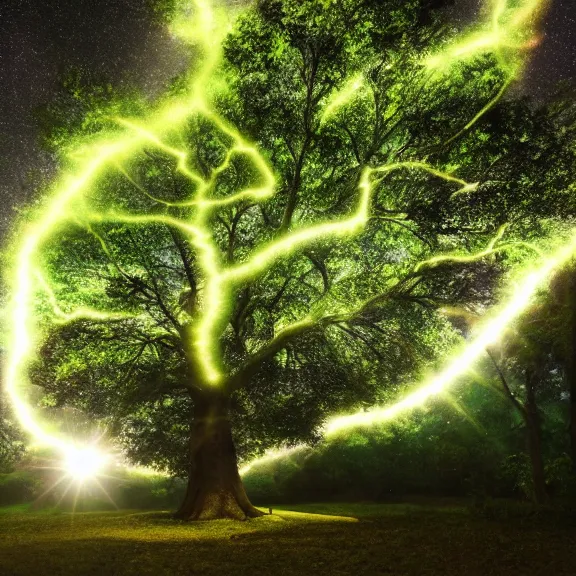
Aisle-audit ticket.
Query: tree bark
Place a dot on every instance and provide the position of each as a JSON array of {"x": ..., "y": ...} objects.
[
  {"x": 534, "y": 441},
  {"x": 570, "y": 369},
  {"x": 537, "y": 462},
  {"x": 531, "y": 418},
  {"x": 215, "y": 489}
]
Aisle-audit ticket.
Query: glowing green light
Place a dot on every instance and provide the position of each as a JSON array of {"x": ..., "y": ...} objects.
[
  {"x": 92, "y": 161},
  {"x": 80, "y": 313},
  {"x": 489, "y": 333},
  {"x": 343, "y": 97},
  {"x": 490, "y": 249},
  {"x": 69, "y": 203},
  {"x": 271, "y": 456},
  {"x": 510, "y": 27}
]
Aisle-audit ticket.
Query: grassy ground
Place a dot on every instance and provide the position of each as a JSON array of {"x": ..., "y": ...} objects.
[{"x": 352, "y": 539}]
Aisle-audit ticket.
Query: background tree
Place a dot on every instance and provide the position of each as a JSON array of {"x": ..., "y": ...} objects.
[
  {"x": 279, "y": 256},
  {"x": 530, "y": 379},
  {"x": 11, "y": 442},
  {"x": 552, "y": 328}
]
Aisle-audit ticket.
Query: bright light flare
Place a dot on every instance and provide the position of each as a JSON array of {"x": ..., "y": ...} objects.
[{"x": 84, "y": 464}]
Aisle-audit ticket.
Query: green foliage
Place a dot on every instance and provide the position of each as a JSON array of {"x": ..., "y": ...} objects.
[
  {"x": 85, "y": 105},
  {"x": 11, "y": 442},
  {"x": 283, "y": 61},
  {"x": 149, "y": 493},
  {"x": 515, "y": 470},
  {"x": 18, "y": 488},
  {"x": 561, "y": 478},
  {"x": 439, "y": 452},
  {"x": 469, "y": 445}
]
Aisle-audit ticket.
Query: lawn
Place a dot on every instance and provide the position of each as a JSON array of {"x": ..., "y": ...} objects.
[{"x": 331, "y": 539}]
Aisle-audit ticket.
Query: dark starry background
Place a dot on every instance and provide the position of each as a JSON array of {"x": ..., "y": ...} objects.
[
  {"x": 554, "y": 59},
  {"x": 39, "y": 39},
  {"x": 119, "y": 39}
]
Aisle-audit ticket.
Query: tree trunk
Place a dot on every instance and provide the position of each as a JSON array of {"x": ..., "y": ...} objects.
[
  {"x": 537, "y": 462},
  {"x": 570, "y": 368},
  {"x": 215, "y": 489},
  {"x": 571, "y": 377},
  {"x": 534, "y": 441}
]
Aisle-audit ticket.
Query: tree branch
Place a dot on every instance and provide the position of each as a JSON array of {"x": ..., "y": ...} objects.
[
  {"x": 184, "y": 257},
  {"x": 507, "y": 390},
  {"x": 242, "y": 377}
]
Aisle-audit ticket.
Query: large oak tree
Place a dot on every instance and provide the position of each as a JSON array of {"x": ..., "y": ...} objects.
[{"x": 280, "y": 257}]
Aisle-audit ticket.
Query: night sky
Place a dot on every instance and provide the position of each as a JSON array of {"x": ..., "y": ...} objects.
[
  {"x": 118, "y": 39},
  {"x": 39, "y": 39},
  {"x": 555, "y": 58}
]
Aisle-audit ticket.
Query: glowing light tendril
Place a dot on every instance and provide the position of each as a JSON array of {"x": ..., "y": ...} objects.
[
  {"x": 508, "y": 32},
  {"x": 488, "y": 333}
]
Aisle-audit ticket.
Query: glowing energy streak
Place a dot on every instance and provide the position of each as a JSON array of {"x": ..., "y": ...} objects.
[
  {"x": 206, "y": 32},
  {"x": 509, "y": 29},
  {"x": 343, "y": 97},
  {"x": 93, "y": 161},
  {"x": 490, "y": 332}
]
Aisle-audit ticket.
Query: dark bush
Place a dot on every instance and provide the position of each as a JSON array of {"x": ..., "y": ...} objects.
[
  {"x": 19, "y": 488},
  {"x": 150, "y": 493}
]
